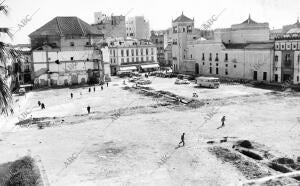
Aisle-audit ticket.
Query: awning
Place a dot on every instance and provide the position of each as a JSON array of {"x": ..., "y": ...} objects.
[
  {"x": 127, "y": 68},
  {"x": 150, "y": 66}
]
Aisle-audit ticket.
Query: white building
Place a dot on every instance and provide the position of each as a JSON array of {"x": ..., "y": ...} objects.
[
  {"x": 132, "y": 55},
  {"x": 63, "y": 53},
  {"x": 138, "y": 27}
]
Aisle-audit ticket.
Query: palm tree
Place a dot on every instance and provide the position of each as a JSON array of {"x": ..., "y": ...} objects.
[{"x": 6, "y": 53}]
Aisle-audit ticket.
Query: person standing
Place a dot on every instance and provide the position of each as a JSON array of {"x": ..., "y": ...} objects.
[
  {"x": 106, "y": 84},
  {"x": 101, "y": 87},
  {"x": 39, "y": 103},
  {"x": 94, "y": 89},
  {"x": 71, "y": 95},
  {"x": 88, "y": 108},
  {"x": 89, "y": 89},
  {"x": 182, "y": 140},
  {"x": 42, "y": 106}
]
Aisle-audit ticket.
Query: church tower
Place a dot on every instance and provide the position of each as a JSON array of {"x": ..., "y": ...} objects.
[{"x": 182, "y": 32}]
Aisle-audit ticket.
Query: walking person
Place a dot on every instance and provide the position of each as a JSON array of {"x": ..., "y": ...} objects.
[
  {"x": 39, "y": 103},
  {"x": 71, "y": 95},
  {"x": 88, "y": 108},
  {"x": 182, "y": 140},
  {"x": 223, "y": 121},
  {"x": 42, "y": 106},
  {"x": 94, "y": 89},
  {"x": 106, "y": 84},
  {"x": 101, "y": 87},
  {"x": 89, "y": 89}
]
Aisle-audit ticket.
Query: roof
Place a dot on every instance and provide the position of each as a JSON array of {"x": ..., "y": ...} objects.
[
  {"x": 182, "y": 18},
  {"x": 249, "y": 21},
  {"x": 61, "y": 26},
  {"x": 294, "y": 31},
  {"x": 261, "y": 45}
]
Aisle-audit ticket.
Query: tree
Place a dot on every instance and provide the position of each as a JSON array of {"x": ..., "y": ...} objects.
[{"x": 6, "y": 53}]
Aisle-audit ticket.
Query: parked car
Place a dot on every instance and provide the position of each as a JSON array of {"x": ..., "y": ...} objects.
[
  {"x": 171, "y": 74},
  {"x": 136, "y": 74},
  {"x": 122, "y": 74},
  {"x": 134, "y": 79},
  {"x": 160, "y": 74},
  {"x": 188, "y": 77},
  {"x": 181, "y": 81},
  {"x": 144, "y": 82}
]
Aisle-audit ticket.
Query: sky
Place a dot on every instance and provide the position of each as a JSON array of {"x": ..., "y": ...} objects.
[{"x": 159, "y": 12}]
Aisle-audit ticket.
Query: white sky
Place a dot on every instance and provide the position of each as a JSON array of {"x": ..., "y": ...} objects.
[{"x": 158, "y": 12}]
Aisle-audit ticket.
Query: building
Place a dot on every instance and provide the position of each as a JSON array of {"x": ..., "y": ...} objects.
[
  {"x": 158, "y": 39},
  {"x": 138, "y": 27},
  {"x": 287, "y": 54},
  {"x": 24, "y": 67},
  {"x": 182, "y": 32},
  {"x": 110, "y": 26},
  {"x": 65, "y": 52},
  {"x": 132, "y": 55},
  {"x": 243, "y": 51}
]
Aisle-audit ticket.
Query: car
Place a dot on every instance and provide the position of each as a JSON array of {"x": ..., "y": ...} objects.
[
  {"x": 183, "y": 76},
  {"x": 22, "y": 91},
  {"x": 143, "y": 82},
  {"x": 122, "y": 74},
  {"x": 171, "y": 74},
  {"x": 181, "y": 81},
  {"x": 134, "y": 79}
]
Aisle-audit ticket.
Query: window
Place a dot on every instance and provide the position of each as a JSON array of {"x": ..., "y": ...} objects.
[
  {"x": 265, "y": 76},
  {"x": 152, "y": 58},
  {"x": 114, "y": 60},
  {"x": 137, "y": 52},
  {"x": 114, "y": 53},
  {"x": 226, "y": 71},
  {"x": 298, "y": 57},
  {"x": 217, "y": 64},
  {"x": 217, "y": 58},
  {"x": 71, "y": 58},
  {"x": 175, "y": 29},
  {"x": 210, "y": 70},
  {"x": 122, "y": 60},
  {"x": 142, "y": 59},
  {"x": 210, "y": 64},
  {"x": 132, "y": 52},
  {"x": 146, "y": 51},
  {"x": 122, "y": 53},
  {"x": 111, "y": 60},
  {"x": 203, "y": 63},
  {"x": 132, "y": 59},
  {"x": 203, "y": 57},
  {"x": 152, "y": 51},
  {"x": 183, "y": 29},
  {"x": 297, "y": 78},
  {"x": 191, "y": 56},
  {"x": 234, "y": 66},
  {"x": 147, "y": 59},
  {"x": 217, "y": 70},
  {"x": 226, "y": 65},
  {"x": 276, "y": 58},
  {"x": 127, "y": 60},
  {"x": 183, "y": 56},
  {"x": 142, "y": 51},
  {"x": 210, "y": 57},
  {"x": 226, "y": 57},
  {"x": 127, "y": 52},
  {"x": 137, "y": 59},
  {"x": 88, "y": 44},
  {"x": 72, "y": 44}
]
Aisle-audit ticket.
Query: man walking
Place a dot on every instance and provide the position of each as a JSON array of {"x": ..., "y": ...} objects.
[
  {"x": 182, "y": 140},
  {"x": 71, "y": 95},
  {"x": 223, "y": 121},
  {"x": 88, "y": 108},
  {"x": 101, "y": 87},
  {"x": 39, "y": 103},
  {"x": 106, "y": 84},
  {"x": 89, "y": 89},
  {"x": 94, "y": 89},
  {"x": 42, "y": 106}
]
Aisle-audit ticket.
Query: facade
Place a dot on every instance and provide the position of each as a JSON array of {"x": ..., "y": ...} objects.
[
  {"x": 138, "y": 27},
  {"x": 64, "y": 52},
  {"x": 157, "y": 38},
  {"x": 287, "y": 54},
  {"x": 243, "y": 51},
  {"x": 132, "y": 55},
  {"x": 24, "y": 67},
  {"x": 110, "y": 26}
]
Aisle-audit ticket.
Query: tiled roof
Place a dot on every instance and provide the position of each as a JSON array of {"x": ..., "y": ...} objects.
[
  {"x": 62, "y": 26},
  {"x": 182, "y": 18},
  {"x": 262, "y": 45}
]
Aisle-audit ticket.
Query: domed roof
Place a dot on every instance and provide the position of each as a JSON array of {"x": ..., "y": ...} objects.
[{"x": 183, "y": 18}]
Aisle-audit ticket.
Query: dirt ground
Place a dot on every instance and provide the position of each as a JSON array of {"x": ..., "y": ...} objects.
[{"x": 131, "y": 139}]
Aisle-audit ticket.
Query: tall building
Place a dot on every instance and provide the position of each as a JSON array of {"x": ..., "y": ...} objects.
[
  {"x": 138, "y": 27},
  {"x": 64, "y": 52},
  {"x": 110, "y": 26},
  {"x": 158, "y": 39},
  {"x": 132, "y": 55},
  {"x": 287, "y": 54},
  {"x": 182, "y": 32}
]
